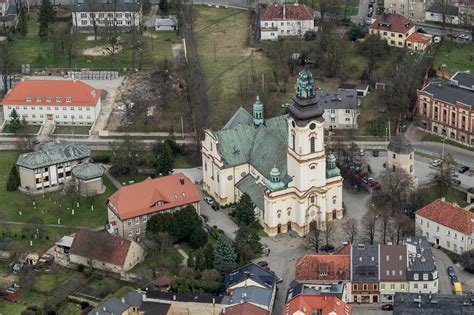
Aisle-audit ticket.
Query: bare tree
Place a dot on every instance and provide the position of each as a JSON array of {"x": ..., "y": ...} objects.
[
  {"x": 351, "y": 229},
  {"x": 8, "y": 63},
  {"x": 328, "y": 233},
  {"x": 397, "y": 187},
  {"x": 369, "y": 226},
  {"x": 314, "y": 235},
  {"x": 401, "y": 227},
  {"x": 385, "y": 223},
  {"x": 445, "y": 175},
  {"x": 92, "y": 6}
]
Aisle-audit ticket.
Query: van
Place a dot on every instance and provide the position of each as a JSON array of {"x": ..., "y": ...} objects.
[
  {"x": 457, "y": 288},
  {"x": 436, "y": 39}
]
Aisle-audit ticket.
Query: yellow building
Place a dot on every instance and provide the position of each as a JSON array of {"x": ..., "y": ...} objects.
[{"x": 393, "y": 28}]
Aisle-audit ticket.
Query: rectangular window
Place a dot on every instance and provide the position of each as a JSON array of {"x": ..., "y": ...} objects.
[
  {"x": 68, "y": 99},
  {"x": 129, "y": 222},
  {"x": 392, "y": 286},
  {"x": 402, "y": 286},
  {"x": 137, "y": 220},
  {"x": 58, "y": 99},
  {"x": 382, "y": 286},
  {"x": 415, "y": 286},
  {"x": 415, "y": 277},
  {"x": 365, "y": 287},
  {"x": 38, "y": 98},
  {"x": 355, "y": 287},
  {"x": 376, "y": 287},
  {"x": 138, "y": 231},
  {"x": 144, "y": 218},
  {"x": 425, "y": 286},
  {"x": 425, "y": 277},
  {"x": 130, "y": 233}
]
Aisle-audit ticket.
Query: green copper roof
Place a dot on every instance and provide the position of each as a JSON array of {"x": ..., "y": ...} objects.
[
  {"x": 331, "y": 169},
  {"x": 88, "y": 171},
  {"x": 275, "y": 182},
  {"x": 257, "y": 112},
  {"x": 305, "y": 85},
  {"x": 331, "y": 158},
  {"x": 254, "y": 190},
  {"x": 53, "y": 153},
  {"x": 241, "y": 117}
]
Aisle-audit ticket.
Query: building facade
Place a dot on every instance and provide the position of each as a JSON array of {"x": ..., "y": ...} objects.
[
  {"x": 410, "y": 9},
  {"x": 119, "y": 15},
  {"x": 341, "y": 109},
  {"x": 446, "y": 108},
  {"x": 439, "y": 12},
  {"x": 401, "y": 155},
  {"x": 130, "y": 207},
  {"x": 422, "y": 273},
  {"x": 419, "y": 41},
  {"x": 284, "y": 20},
  {"x": 365, "y": 273},
  {"x": 280, "y": 162},
  {"x": 64, "y": 102},
  {"x": 393, "y": 28},
  {"x": 47, "y": 169},
  {"x": 393, "y": 271}
]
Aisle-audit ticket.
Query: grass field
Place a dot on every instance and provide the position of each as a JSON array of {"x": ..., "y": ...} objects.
[
  {"x": 32, "y": 50},
  {"x": 77, "y": 130},
  {"x": 456, "y": 56},
  {"x": 29, "y": 129},
  {"x": 432, "y": 193},
  {"x": 352, "y": 9},
  {"x": 435, "y": 138}
]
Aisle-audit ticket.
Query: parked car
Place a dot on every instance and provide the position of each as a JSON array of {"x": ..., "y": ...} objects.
[
  {"x": 368, "y": 180},
  {"x": 369, "y": 14},
  {"x": 375, "y": 153},
  {"x": 265, "y": 249},
  {"x": 454, "y": 279},
  {"x": 456, "y": 182},
  {"x": 450, "y": 271},
  {"x": 36, "y": 141},
  {"x": 465, "y": 36},
  {"x": 208, "y": 200},
  {"x": 361, "y": 152},
  {"x": 453, "y": 35},
  {"x": 437, "y": 39},
  {"x": 215, "y": 207},
  {"x": 421, "y": 30},
  {"x": 436, "y": 163},
  {"x": 387, "y": 307},
  {"x": 463, "y": 169},
  {"x": 327, "y": 248},
  {"x": 371, "y": 5},
  {"x": 263, "y": 264}
]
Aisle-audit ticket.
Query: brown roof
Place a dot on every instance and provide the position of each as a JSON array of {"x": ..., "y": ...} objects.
[
  {"x": 307, "y": 303},
  {"x": 419, "y": 38},
  {"x": 153, "y": 195},
  {"x": 274, "y": 12},
  {"x": 323, "y": 267},
  {"x": 448, "y": 215},
  {"x": 100, "y": 246},
  {"x": 244, "y": 309},
  {"x": 393, "y": 258},
  {"x": 392, "y": 23}
]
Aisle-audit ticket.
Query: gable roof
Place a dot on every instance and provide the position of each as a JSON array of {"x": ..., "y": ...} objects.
[
  {"x": 284, "y": 12},
  {"x": 113, "y": 306},
  {"x": 443, "y": 9},
  {"x": 241, "y": 116},
  {"x": 306, "y": 303},
  {"x": 244, "y": 309},
  {"x": 365, "y": 262},
  {"x": 248, "y": 185},
  {"x": 142, "y": 198},
  {"x": 400, "y": 145},
  {"x": 53, "y": 153},
  {"x": 251, "y": 271},
  {"x": 451, "y": 216},
  {"x": 392, "y": 23},
  {"x": 316, "y": 267},
  {"x": 80, "y": 93},
  {"x": 448, "y": 93},
  {"x": 464, "y": 80},
  {"x": 419, "y": 38},
  {"x": 107, "y": 6},
  {"x": 181, "y": 297},
  {"x": 393, "y": 258},
  {"x": 252, "y": 294},
  {"x": 100, "y": 246}
]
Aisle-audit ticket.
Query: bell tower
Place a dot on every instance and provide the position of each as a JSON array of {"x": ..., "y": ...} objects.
[
  {"x": 257, "y": 112},
  {"x": 306, "y": 153}
]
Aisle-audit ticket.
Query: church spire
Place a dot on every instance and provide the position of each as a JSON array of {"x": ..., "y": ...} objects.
[{"x": 257, "y": 112}]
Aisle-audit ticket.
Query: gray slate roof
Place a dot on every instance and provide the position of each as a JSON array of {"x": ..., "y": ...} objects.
[
  {"x": 107, "y": 6},
  {"x": 450, "y": 94},
  {"x": 400, "y": 145},
  {"x": 254, "y": 190},
  {"x": 464, "y": 80},
  {"x": 433, "y": 304},
  {"x": 448, "y": 9},
  {"x": 53, "y": 153},
  {"x": 110, "y": 307},
  {"x": 88, "y": 171},
  {"x": 133, "y": 298},
  {"x": 254, "y": 295},
  {"x": 422, "y": 264},
  {"x": 165, "y": 22},
  {"x": 338, "y": 99},
  {"x": 365, "y": 263},
  {"x": 250, "y": 271}
]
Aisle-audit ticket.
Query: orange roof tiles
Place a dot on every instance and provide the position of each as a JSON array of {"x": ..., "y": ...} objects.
[
  {"x": 448, "y": 215},
  {"x": 392, "y": 23},
  {"x": 419, "y": 38},
  {"x": 45, "y": 92},
  {"x": 153, "y": 195},
  {"x": 244, "y": 309},
  {"x": 323, "y": 267},
  {"x": 274, "y": 12},
  {"x": 307, "y": 303}
]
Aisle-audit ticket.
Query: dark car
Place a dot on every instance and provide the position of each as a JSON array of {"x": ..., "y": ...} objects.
[
  {"x": 420, "y": 30},
  {"x": 451, "y": 271},
  {"x": 454, "y": 279},
  {"x": 215, "y": 207},
  {"x": 36, "y": 141},
  {"x": 327, "y": 248},
  {"x": 369, "y": 14},
  {"x": 463, "y": 169},
  {"x": 387, "y": 307},
  {"x": 263, "y": 264},
  {"x": 375, "y": 153},
  {"x": 456, "y": 182}
]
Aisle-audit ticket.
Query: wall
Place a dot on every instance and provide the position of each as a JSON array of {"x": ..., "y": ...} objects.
[
  {"x": 387, "y": 292},
  {"x": 135, "y": 255},
  {"x": 274, "y": 29},
  {"x": 437, "y": 17},
  {"x": 405, "y": 162},
  {"x": 414, "y": 11},
  {"x": 393, "y": 38},
  {"x": 80, "y": 260},
  {"x": 122, "y": 19},
  {"x": 27, "y": 178},
  {"x": 340, "y": 119}
]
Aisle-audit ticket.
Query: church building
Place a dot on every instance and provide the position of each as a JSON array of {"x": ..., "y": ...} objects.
[{"x": 281, "y": 162}]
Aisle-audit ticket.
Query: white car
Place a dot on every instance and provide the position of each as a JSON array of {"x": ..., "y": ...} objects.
[
  {"x": 208, "y": 200},
  {"x": 436, "y": 163}
]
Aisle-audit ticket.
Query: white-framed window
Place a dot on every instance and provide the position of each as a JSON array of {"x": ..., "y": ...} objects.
[
  {"x": 144, "y": 218},
  {"x": 57, "y": 116},
  {"x": 130, "y": 233},
  {"x": 58, "y": 99},
  {"x": 415, "y": 277},
  {"x": 88, "y": 108},
  {"x": 129, "y": 222},
  {"x": 28, "y": 99},
  {"x": 80, "y": 116},
  {"x": 425, "y": 276},
  {"x": 137, "y": 220},
  {"x": 88, "y": 117},
  {"x": 33, "y": 115},
  {"x": 38, "y": 98},
  {"x": 84, "y": 22},
  {"x": 56, "y": 108},
  {"x": 137, "y": 231},
  {"x": 83, "y": 15}
]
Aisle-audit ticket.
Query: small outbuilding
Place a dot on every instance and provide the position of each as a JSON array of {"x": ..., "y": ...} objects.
[
  {"x": 166, "y": 23},
  {"x": 88, "y": 178}
]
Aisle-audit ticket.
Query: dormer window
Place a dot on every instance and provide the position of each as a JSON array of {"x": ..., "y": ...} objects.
[
  {"x": 58, "y": 99},
  {"x": 38, "y": 98},
  {"x": 29, "y": 98},
  {"x": 68, "y": 99},
  {"x": 175, "y": 196},
  {"x": 48, "y": 98},
  {"x": 184, "y": 194}
]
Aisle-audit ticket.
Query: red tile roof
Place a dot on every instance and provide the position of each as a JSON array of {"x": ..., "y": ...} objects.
[
  {"x": 274, "y": 12},
  {"x": 392, "y": 23},
  {"x": 81, "y": 94},
  {"x": 419, "y": 38},
  {"x": 244, "y": 309},
  {"x": 153, "y": 195},
  {"x": 448, "y": 215},
  {"x": 100, "y": 246},
  {"x": 323, "y": 267},
  {"x": 307, "y": 303}
]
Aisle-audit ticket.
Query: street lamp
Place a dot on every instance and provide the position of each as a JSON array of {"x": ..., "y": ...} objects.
[{"x": 442, "y": 150}]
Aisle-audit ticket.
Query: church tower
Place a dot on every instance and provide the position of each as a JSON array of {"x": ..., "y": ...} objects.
[
  {"x": 306, "y": 158},
  {"x": 257, "y": 112},
  {"x": 400, "y": 155}
]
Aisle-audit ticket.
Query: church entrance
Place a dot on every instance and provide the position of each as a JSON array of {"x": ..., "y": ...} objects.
[
  {"x": 289, "y": 226},
  {"x": 279, "y": 229}
]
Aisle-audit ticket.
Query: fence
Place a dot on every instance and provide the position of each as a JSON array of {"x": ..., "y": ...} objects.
[{"x": 93, "y": 75}]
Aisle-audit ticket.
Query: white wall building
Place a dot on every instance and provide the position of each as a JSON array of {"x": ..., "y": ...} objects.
[
  {"x": 340, "y": 109},
  {"x": 422, "y": 272},
  {"x": 437, "y": 10},
  {"x": 280, "y": 162},
  {"x": 446, "y": 225},
  {"x": 65, "y": 102},
  {"x": 281, "y": 20},
  {"x": 400, "y": 155}
]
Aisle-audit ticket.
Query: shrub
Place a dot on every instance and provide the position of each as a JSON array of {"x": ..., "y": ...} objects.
[{"x": 467, "y": 260}]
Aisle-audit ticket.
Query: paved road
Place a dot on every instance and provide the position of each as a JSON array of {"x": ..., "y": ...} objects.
[
  {"x": 219, "y": 219},
  {"x": 442, "y": 263}
]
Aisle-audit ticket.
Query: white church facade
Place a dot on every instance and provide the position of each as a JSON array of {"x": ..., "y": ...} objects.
[{"x": 280, "y": 162}]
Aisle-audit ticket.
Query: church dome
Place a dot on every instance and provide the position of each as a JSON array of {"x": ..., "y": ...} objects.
[
  {"x": 400, "y": 145},
  {"x": 305, "y": 105},
  {"x": 331, "y": 158},
  {"x": 257, "y": 105},
  {"x": 275, "y": 172}
]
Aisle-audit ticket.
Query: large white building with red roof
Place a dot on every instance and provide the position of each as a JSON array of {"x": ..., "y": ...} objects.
[
  {"x": 393, "y": 28},
  {"x": 130, "y": 207},
  {"x": 64, "y": 102},
  {"x": 282, "y": 20},
  {"x": 446, "y": 225}
]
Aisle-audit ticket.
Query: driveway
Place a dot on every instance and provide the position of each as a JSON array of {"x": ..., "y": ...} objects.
[
  {"x": 442, "y": 263},
  {"x": 219, "y": 219}
]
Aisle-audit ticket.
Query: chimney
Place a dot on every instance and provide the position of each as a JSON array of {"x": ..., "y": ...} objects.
[
  {"x": 284, "y": 12},
  {"x": 181, "y": 180},
  {"x": 174, "y": 297},
  {"x": 122, "y": 299},
  {"x": 443, "y": 199}
]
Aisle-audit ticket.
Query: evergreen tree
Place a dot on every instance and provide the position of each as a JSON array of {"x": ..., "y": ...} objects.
[
  {"x": 164, "y": 161},
  {"x": 13, "y": 179},
  {"x": 15, "y": 122},
  {"x": 247, "y": 244},
  {"x": 23, "y": 22},
  {"x": 209, "y": 256},
  {"x": 200, "y": 260},
  {"x": 224, "y": 253},
  {"x": 198, "y": 237},
  {"x": 191, "y": 262},
  {"x": 245, "y": 210},
  {"x": 185, "y": 222},
  {"x": 164, "y": 6},
  {"x": 46, "y": 17}
]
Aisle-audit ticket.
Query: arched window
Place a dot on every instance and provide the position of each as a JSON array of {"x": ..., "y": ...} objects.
[
  {"x": 334, "y": 200},
  {"x": 312, "y": 199},
  {"x": 293, "y": 141},
  {"x": 288, "y": 212},
  {"x": 312, "y": 144},
  {"x": 279, "y": 214},
  {"x": 411, "y": 168}
]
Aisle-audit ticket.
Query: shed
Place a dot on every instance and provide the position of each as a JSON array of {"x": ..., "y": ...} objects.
[
  {"x": 88, "y": 179},
  {"x": 166, "y": 23}
]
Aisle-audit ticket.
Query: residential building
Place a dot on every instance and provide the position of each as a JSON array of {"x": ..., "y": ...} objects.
[
  {"x": 419, "y": 41},
  {"x": 103, "y": 251},
  {"x": 362, "y": 89},
  {"x": 438, "y": 11},
  {"x": 283, "y": 20},
  {"x": 321, "y": 268},
  {"x": 365, "y": 278},
  {"x": 400, "y": 155},
  {"x": 446, "y": 225},
  {"x": 393, "y": 28},
  {"x": 429, "y": 304},
  {"x": 114, "y": 306},
  {"x": 131, "y": 304},
  {"x": 166, "y": 23},
  {"x": 250, "y": 284},
  {"x": 393, "y": 271},
  {"x": 88, "y": 179},
  {"x": 466, "y": 11},
  {"x": 9, "y": 13},
  {"x": 196, "y": 304},
  {"x": 447, "y": 108},
  {"x": 280, "y": 162},
  {"x": 422, "y": 273},
  {"x": 119, "y": 15},
  {"x": 341, "y": 109},
  {"x": 64, "y": 102},
  {"x": 130, "y": 207},
  {"x": 307, "y": 304},
  {"x": 410, "y": 9},
  {"x": 244, "y": 308},
  {"x": 339, "y": 290},
  {"x": 45, "y": 170}
]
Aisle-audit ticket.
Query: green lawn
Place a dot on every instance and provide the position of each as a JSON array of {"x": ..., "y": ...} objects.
[
  {"x": 48, "y": 282},
  {"x": 32, "y": 50},
  {"x": 27, "y": 298},
  {"x": 78, "y": 130},
  {"x": 29, "y": 129},
  {"x": 456, "y": 56},
  {"x": 435, "y": 138},
  {"x": 432, "y": 193},
  {"x": 353, "y": 7}
]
